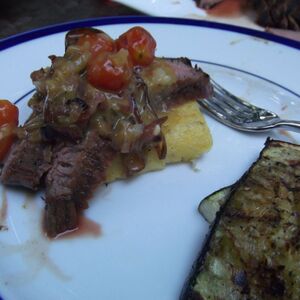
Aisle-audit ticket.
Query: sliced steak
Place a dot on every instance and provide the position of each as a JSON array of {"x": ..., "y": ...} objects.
[
  {"x": 76, "y": 172},
  {"x": 79, "y": 128},
  {"x": 26, "y": 163},
  {"x": 192, "y": 83},
  {"x": 173, "y": 81},
  {"x": 70, "y": 101}
]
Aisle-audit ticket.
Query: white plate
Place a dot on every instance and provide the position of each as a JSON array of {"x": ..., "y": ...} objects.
[{"x": 151, "y": 230}]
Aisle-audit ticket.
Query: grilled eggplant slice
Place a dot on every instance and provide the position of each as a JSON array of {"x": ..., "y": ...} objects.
[
  {"x": 253, "y": 249},
  {"x": 211, "y": 204}
]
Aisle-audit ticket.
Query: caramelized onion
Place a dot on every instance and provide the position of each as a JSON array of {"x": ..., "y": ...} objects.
[
  {"x": 126, "y": 135},
  {"x": 36, "y": 102},
  {"x": 122, "y": 105},
  {"x": 133, "y": 163},
  {"x": 152, "y": 131},
  {"x": 102, "y": 126},
  {"x": 161, "y": 147}
]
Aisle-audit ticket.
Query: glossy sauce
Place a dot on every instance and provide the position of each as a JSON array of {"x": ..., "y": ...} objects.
[{"x": 86, "y": 227}]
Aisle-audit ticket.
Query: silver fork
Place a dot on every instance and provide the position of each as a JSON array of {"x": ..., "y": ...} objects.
[{"x": 239, "y": 114}]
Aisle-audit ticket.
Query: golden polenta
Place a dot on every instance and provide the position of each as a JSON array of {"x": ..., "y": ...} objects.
[{"x": 187, "y": 137}]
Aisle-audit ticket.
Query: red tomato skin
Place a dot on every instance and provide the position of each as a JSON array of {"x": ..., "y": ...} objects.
[
  {"x": 110, "y": 72},
  {"x": 9, "y": 113},
  {"x": 97, "y": 42},
  {"x": 140, "y": 44}
]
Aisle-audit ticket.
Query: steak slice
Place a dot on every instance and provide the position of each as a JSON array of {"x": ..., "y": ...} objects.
[
  {"x": 173, "y": 81},
  {"x": 76, "y": 172},
  {"x": 191, "y": 81},
  {"x": 26, "y": 163}
]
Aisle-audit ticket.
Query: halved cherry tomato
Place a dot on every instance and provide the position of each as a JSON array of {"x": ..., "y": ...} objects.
[
  {"x": 9, "y": 115},
  {"x": 140, "y": 44},
  {"x": 110, "y": 71},
  {"x": 96, "y": 42}
]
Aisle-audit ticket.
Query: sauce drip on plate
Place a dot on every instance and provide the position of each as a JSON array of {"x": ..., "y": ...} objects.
[{"x": 86, "y": 227}]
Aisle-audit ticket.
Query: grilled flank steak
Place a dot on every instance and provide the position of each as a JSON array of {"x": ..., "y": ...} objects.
[
  {"x": 253, "y": 250},
  {"x": 105, "y": 110}
]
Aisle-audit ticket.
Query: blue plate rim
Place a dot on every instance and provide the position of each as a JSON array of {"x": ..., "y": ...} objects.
[{"x": 62, "y": 27}]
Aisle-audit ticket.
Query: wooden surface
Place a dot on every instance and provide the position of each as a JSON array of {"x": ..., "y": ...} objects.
[{"x": 17, "y": 16}]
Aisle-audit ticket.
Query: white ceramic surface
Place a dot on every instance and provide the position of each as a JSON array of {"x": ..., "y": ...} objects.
[{"x": 151, "y": 230}]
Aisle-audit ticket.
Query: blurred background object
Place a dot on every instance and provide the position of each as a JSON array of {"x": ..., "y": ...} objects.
[
  {"x": 281, "y": 17},
  {"x": 284, "y": 14},
  {"x": 17, "y": 16}
]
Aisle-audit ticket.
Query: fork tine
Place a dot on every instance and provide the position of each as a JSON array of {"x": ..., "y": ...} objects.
[
  {"x": 225, "y": 101},
  {"x": 239, "y": 114},
  {"x": 214, "y": 107},
  {"x": 216, "y": 111},
  {"x": 239, "y": 105},
  {"x": 230, "y": 99},
  {"x": 210, "y": 105},
  {"x": 229, "y": 107}
]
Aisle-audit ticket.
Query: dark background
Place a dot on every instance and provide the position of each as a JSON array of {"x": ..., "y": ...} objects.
[{"x": 17, "y": 16}]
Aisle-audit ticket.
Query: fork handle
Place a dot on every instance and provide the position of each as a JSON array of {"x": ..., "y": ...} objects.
[{"x": 289, "y": 125}]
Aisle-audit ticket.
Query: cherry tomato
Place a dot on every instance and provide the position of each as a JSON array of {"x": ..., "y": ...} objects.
[
  {"x": 110, "y": 71},
  {"x": 96, "y": 42},
  {"x": 9, "y": 115},
  {"x": 140, "y": 44}
]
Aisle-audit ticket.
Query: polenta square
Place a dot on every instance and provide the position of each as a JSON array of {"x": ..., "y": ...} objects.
[{"x": 187, "y": 137}]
